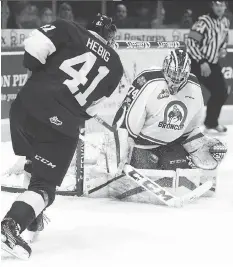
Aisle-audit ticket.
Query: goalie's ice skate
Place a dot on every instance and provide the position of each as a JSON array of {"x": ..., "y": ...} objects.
[{"x": 12, "y": 242}]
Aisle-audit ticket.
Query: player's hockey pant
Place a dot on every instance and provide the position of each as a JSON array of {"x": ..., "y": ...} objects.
[{"x": 50, "y": 152}]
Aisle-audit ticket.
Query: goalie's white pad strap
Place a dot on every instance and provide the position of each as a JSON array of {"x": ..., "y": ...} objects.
[{"x": 194, "y": 141}]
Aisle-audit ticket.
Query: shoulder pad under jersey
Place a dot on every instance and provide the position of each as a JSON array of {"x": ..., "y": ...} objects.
[
  {"x": 146, "y": 77},
  {"x": 193, "y": 79}
]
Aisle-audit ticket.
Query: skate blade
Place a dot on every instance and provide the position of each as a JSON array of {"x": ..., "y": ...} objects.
[{"x": 18, "y": 251}]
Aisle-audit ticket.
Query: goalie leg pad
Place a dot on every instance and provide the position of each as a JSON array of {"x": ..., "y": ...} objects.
[
  {"x": 168, "y": 157},
  {"x": 187, "y": 180}
]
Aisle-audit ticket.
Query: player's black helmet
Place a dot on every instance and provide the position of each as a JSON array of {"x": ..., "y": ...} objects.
[{"x": 104, "y": 26}]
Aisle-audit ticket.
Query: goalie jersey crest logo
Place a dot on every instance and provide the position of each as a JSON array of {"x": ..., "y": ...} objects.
[{"x": 175, "y": 115}]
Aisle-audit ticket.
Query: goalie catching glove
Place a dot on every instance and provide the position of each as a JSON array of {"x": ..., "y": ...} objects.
[{"x": 206, "y": 152}]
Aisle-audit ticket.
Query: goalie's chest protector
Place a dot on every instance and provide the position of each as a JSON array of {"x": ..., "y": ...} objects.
[{"x": 161, "y": 117}]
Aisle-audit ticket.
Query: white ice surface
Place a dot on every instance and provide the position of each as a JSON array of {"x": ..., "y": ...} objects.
[{"x": 102, "y": 232}]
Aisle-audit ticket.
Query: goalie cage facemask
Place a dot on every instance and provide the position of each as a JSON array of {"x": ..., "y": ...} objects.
[
  {"x": 176, "y": 69},
  {"x": 104, "y": 26}
]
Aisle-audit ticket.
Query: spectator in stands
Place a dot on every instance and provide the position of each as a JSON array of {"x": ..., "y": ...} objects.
[
  {"x": 5, "y": 13},
  {"x": 66, "y": 12},
  {"x": 158, "y": 21},
  {"x": 187, "y": 19},
  {"x": 82, "y": 21},
  {"x": 121, "y": 18},
  {"x": 28, "y": 18},
  {"x": 143, "y": 18},
  {"x": 46, "y": 16}
]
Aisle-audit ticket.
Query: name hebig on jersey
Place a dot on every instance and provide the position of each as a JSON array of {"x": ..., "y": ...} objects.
[{"x": 99, "y": 49}]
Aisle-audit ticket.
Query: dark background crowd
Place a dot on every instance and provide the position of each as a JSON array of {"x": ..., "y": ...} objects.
[{"x": 127, "y": 14}]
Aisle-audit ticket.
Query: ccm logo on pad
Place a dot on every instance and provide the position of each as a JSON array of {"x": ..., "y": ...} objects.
[{"x": 45, "y": 161}]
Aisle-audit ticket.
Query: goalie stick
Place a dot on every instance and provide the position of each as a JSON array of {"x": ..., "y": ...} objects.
[{"x": 162, "y": 194}]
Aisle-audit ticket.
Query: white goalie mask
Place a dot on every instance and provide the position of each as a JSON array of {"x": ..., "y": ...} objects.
[{"x": 176, "y": 69}]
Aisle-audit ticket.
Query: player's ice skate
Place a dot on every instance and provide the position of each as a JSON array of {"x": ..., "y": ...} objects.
[
  {"x": 32, "y": 232},
  {"x": 12, "y": 242}
]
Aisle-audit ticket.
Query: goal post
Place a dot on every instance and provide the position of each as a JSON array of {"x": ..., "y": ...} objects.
[{"x": 135, "y": 56}]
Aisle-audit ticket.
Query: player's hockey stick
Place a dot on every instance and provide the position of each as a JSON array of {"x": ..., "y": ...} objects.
[
  {"x": 105, "y": 184},
  {"x": 162, "y": 194},
  {"x": 80, "y": 163}
]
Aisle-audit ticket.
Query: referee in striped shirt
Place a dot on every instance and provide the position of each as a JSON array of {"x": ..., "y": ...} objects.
[{"x": 206, "y": 43}]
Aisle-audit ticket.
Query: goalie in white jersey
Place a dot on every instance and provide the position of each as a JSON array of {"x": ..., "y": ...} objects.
[{"x": 162, "y": 113}]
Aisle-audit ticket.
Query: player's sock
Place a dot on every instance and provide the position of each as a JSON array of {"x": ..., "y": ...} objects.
[
  {"x": 38, "y": 223},
  {"x": 11, "y": 241},
  {"x": 26, "y": 208}
]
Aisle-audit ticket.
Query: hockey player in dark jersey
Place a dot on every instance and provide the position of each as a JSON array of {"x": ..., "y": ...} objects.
[{"x": 73, "y": 69}]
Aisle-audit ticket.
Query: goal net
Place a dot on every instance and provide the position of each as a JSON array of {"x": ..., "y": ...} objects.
[{"x": 88, "y": 168}]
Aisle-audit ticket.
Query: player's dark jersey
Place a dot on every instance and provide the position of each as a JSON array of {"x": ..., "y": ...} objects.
[{"x": 72, "y": 69}]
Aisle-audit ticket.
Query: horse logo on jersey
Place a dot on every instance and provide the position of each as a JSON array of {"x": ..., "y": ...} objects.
[{"x": 175, "y": 115}]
